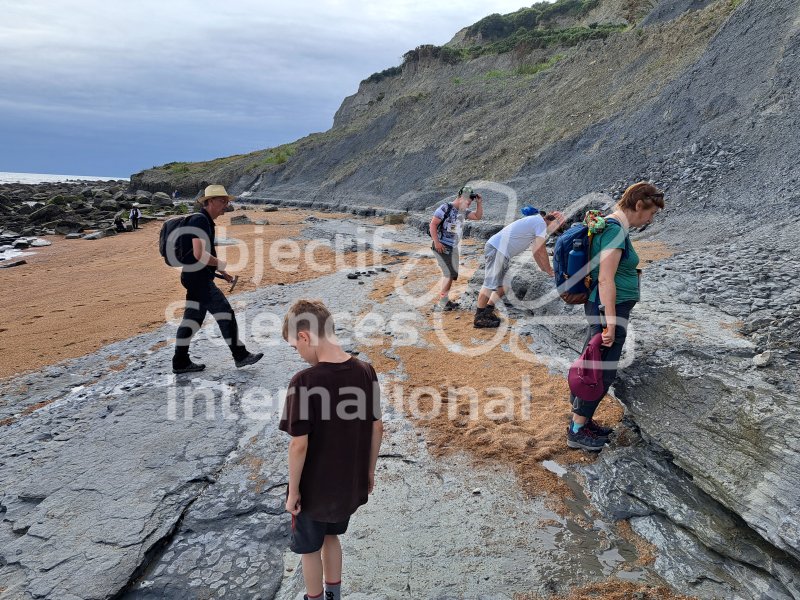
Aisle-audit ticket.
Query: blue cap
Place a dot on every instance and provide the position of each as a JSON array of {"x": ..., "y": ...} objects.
[{"x": 529, "y": 210}]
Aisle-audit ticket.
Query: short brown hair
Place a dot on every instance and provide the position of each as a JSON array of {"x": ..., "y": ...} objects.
[
  {"x": 308, "y": 315},
  {"x": 649, "y": 195}
]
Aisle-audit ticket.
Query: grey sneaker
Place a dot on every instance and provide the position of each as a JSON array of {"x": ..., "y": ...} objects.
[
  {"x": 249, "y": 359},
  {"x": 585, "y": 439}
]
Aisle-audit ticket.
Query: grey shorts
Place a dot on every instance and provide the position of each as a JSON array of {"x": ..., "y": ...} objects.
[
  {"x": 448, "y": 260},
  {"x": 496, "y": 267}
]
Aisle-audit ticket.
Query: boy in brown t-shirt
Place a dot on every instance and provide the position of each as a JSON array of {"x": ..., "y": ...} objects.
[{"x": 333, "y": 414}]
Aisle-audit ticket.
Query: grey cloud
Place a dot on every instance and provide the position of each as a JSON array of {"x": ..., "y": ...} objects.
[{"x": 280, "y": 69}]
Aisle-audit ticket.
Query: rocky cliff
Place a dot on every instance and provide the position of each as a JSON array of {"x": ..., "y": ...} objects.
[{"x": 698, "y": 96}]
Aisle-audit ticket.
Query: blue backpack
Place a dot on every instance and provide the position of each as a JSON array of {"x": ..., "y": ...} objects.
[{"x": 571, "y": 256}]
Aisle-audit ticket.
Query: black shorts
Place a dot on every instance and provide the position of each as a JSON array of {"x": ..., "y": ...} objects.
[
  {"x": 448, "y": 260},
  {"x": 308, "y": 535}
]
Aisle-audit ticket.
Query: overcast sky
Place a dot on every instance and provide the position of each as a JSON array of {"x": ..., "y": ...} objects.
[{"x": 93, "y": 87}]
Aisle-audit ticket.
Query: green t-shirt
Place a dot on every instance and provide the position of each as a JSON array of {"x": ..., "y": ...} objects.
[{"x": 626, "y": 279}]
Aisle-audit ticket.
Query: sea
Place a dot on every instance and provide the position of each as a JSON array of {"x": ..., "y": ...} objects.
[{"x": 32, "y": 178}]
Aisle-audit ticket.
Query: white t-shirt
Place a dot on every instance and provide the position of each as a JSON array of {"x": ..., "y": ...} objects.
[{"x": 513, "y": 239}]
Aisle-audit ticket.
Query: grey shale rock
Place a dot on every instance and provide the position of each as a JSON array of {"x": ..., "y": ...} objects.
[
  {"x": 7, "y": 264},
  {"x": 241, "y": 220}
]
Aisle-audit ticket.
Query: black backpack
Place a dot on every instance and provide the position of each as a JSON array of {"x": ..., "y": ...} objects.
[
  {"x": 174, "y": 246},
  {"x": 440, "y": 226}
]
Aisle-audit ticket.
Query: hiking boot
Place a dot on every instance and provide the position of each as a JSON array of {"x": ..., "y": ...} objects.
[
  {"x": 599, "y": 430},
  {"x": 188, "y": 368},
  {"x": 585, "y": 439},
  {"x": 249, "y": 359},
  {"x": 490, "y": 312},
  {"x": 485, "y": 322}
]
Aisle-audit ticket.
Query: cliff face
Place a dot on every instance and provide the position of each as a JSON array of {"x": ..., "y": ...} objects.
[
  {"x": 702, "y": 98},
  {"x": 424, "y": 128}
]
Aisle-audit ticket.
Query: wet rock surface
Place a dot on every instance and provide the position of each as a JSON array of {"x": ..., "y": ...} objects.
[
  {"x": 707, "y": 550},
  {"x": 104, "y": 470},
  {"x": 231, "y": 542}
]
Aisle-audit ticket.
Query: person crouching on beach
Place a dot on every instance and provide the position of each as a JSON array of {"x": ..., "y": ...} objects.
[
  {"x": 333, "y": 414},
  {"x": 618, "y": 292},
  {"x": 445, "y": 229},
  {"x": 527, "y": 232},
  {"x": 202, "y": 296}
]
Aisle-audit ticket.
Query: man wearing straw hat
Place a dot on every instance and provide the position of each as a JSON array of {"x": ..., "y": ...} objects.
[{"x": 202, "y": 296}]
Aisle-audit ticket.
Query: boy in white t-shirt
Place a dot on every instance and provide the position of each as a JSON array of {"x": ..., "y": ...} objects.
[{"x": 527, "y": 232}]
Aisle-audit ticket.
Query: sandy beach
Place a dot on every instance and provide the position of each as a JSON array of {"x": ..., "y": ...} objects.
[{"x": 76, "y": 296}]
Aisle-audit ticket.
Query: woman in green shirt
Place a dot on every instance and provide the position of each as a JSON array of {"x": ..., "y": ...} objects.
[{"x": 618, "y": 291}]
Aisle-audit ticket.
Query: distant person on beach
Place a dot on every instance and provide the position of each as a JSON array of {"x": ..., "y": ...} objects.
[
  {"x": 134, "y": 215},
  {"x": 175, "y": 194},
  {"x": 119, "y": 224},
  {"x": 618, "y": 292},
  {"x": 445, "y": 229},
  {"x": 527, "y": 232},
  {"x": 333, "y": 414},
  {"x": 202, "y": 296}
]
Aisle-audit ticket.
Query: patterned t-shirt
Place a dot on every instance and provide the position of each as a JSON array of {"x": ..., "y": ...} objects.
[{"x": 452, "y": 226}]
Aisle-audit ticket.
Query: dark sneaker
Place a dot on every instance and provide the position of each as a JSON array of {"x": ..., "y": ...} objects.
[
  {"x": 585, "y": 439},
  {"x": 598, "y": 429},
  {"x": 189, "y": 368},
  {"x": 450, "y": 305},
  {"x": 249, "y": 359}
]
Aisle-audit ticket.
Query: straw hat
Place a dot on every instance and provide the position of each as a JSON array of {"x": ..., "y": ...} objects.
[{"x": 214, "y": 191}]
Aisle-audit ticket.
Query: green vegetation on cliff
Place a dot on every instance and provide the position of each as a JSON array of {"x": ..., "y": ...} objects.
[
  {"x": 278, "y": 156},
  {"x": 526, "y": 29},
  {"x": 530, "y": 39},
  {"x": 497, "y": 27},
  {"x": 260, "y": 158}
]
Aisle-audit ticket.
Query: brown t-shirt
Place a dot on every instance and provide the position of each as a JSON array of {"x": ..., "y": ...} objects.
[{"x": 334, "y": 404}]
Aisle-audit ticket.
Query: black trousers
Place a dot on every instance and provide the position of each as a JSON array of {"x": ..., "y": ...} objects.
[
  {"x": 610, "y": 355},
  {"x": 135, "y": 222},
  {"x": 202, "y": 297}
]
